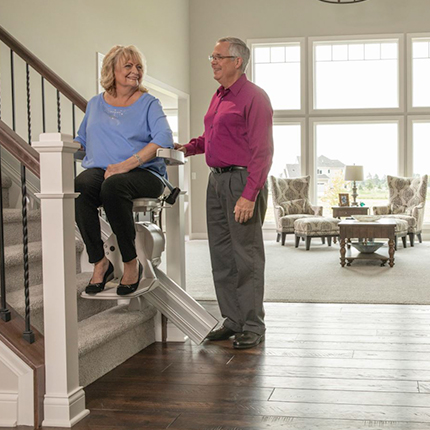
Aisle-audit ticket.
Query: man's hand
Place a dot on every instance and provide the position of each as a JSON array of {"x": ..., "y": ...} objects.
[
  {"x": 114, "y": 169},
  {"x": 181, "y": 148},
  {"x": 243, "y": 210}
]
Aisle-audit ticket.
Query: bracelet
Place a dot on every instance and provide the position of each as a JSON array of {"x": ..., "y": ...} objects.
[{"x": 138, "y": 159}]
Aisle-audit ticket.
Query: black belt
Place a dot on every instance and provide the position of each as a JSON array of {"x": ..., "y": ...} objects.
[{"x": 226, "y": 169}]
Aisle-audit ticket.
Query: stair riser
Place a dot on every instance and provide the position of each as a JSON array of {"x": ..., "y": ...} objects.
[
  {"x": 13, "y": 232},
  {"x": 5, "y": 194},
  {"x": 15, "y": 274},
  {"x": 86, "y": 309},
  {"x": 102, "y": 360}
]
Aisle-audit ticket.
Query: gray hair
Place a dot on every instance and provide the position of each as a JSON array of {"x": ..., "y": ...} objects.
[{"x": 238, "y": 48}]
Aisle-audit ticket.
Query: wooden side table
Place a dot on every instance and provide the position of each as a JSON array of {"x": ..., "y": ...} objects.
[
  {"x": 381, "y": 229},
  {"x": 342, "y": 211}
]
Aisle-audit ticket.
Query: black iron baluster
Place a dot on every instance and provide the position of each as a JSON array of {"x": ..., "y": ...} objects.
[
  {"x": 43, "y": 106},
  {"x": 28, "y": 334},
  {"x": 4, "y": 311},
  {"x": 58, "y": 112}
]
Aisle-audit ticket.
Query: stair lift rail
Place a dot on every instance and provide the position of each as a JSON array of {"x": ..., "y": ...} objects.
[{"x": 156, "y": 287}]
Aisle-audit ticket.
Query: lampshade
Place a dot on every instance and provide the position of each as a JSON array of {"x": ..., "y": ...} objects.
[
  {"x": 342, "y": 1},
  {"x": 354, "y": 173}
]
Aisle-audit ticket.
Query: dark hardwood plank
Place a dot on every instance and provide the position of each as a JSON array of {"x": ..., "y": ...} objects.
[
  {"x": 322, "y": 367},
  {"x": 188, "y": 421}
]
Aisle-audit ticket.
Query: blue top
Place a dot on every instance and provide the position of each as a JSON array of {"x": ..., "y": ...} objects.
[{"x": 111, "y": 134}]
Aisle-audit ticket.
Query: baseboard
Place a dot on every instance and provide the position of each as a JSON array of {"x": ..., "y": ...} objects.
[{"x": 8, "y": 409}]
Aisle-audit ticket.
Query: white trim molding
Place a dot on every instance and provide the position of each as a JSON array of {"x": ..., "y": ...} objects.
[{"x": 16, "y": 402}]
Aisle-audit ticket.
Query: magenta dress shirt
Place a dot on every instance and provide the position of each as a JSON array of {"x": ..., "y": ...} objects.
[{"x": 238, "y": 132}]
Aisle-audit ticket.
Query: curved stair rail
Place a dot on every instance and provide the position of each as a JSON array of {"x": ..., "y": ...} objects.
[{"x": 22, "y": 150}]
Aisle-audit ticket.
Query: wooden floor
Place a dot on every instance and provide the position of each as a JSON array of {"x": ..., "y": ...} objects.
[{"x": 322, "y": 367}]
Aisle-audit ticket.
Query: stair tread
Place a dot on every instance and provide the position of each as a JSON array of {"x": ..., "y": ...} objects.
[
  {"x": 104, "y": 326},
  {"x": 16, "y": 298},
  {"x": 15, "y": 215},
  {"x": 13, "y": 253}
]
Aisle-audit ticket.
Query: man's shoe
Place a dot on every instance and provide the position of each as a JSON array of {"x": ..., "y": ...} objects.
[
  {"x": 221, "y": 333},
  {"x": 247, "y": 339}
]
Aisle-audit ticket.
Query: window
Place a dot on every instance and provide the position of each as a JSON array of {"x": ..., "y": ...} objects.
[
  {"x": 372, "y": 145},
  {"x": 276, "y": 69},
  {"x": 286, "y": 158},
  {"x": 421, "y": 156},
  {"x": 355, "y": 112},
  {"x": 420, "y": 72},
  {"x": 356, "y": 74}
]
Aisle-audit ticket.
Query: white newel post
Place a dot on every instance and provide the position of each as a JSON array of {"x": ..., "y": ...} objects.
[{"x": 64, "y": 403}]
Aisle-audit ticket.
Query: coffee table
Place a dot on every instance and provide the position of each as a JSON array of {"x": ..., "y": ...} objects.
[{"x": 384, "y": 228}]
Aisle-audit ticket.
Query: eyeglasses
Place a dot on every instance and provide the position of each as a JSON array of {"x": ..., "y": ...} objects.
[{"x": 219, "y": 57}]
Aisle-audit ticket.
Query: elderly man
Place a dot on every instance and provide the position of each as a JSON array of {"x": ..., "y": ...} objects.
[{"x": 238, "y": 145}]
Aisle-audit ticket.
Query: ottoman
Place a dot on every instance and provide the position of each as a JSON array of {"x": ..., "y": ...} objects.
[
  {"x": 323, "y": 227},
  {"x": 400, "y": 230}
]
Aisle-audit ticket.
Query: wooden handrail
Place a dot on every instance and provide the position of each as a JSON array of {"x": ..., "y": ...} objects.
[
  {"x": 44, "y": 70},
  {"x": 19, "y": 148}
]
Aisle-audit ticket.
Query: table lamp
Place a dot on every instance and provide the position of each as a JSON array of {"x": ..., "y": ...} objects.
[{"x": 354, "y": 173}]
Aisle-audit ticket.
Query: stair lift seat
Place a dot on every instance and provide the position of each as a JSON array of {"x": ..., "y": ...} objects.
[{"x": 161, "y": 291}]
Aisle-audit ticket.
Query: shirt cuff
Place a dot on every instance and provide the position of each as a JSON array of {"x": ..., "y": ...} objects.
[
  {"x": 250, "y": 194},
  {"x": 191, "y": 150}
]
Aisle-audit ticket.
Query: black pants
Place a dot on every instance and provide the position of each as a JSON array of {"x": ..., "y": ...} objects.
[
  {"x": 237, "y": 252},
  {"x": 115, "y": 194}
]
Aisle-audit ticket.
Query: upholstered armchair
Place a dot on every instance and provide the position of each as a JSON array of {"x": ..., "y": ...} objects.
[
  {"x": 291, "y": 202},
  {"x": 407, "y": 199}
]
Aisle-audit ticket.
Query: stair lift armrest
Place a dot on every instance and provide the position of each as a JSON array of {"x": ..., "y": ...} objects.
[{"x": 172, "y": 157}]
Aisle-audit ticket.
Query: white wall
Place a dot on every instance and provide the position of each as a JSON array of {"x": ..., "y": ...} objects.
[
  {"x": 67, "y": 34},
  {"x": 253, "y": 19}
]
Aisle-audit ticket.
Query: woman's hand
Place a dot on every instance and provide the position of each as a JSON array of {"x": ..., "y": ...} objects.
[{"x": 115, "y": 169}]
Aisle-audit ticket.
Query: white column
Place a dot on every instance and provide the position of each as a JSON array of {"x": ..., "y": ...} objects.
[{"x": 64, "y": 403}]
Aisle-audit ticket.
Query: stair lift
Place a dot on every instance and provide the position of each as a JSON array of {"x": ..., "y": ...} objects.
[{"x": 155, "y": 286}]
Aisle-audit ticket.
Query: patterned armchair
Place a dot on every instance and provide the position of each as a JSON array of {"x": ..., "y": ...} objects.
[
  {"x": 291, "y": 202},
  {"x": 407, "y": 199}
]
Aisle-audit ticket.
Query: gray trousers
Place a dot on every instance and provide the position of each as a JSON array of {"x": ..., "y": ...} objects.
[{"x": 237, "y": 252}]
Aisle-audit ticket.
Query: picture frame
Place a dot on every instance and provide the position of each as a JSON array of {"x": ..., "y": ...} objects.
[{"x": 343, "y": 199}]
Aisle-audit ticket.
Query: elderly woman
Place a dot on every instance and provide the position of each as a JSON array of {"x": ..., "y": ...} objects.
[{"x": 121, "y": 132}]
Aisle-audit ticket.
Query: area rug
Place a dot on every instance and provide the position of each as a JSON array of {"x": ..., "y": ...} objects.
[{"x": 298, "y": 276}]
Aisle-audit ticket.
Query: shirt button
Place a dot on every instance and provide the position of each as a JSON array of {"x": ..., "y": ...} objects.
[
  {"x": 212, "y": 126},
  {"x": 216, "y": 111},
  {"x": 222, "y": 98}
]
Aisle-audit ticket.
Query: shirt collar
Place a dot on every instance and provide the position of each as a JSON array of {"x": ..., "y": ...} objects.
[{"x": 235, "y": 88}]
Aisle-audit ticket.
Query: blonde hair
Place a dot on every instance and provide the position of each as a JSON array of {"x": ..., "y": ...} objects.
[{"x": 116, "y": 54}]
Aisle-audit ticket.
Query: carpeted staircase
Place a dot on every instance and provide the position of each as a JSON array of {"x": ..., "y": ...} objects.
[{"x": 109, "y": 333}]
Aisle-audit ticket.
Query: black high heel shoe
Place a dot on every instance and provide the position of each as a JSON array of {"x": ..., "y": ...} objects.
[
  {"x": 100, "y": 286},
  {"x": 123, "y": 290}
]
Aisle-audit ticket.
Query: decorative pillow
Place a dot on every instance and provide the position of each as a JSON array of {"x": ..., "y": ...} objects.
[{"x": 299, "y": 206}]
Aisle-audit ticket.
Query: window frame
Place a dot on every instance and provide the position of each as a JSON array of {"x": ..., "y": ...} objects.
[
  {"x": 410, "y": 140},
  {"x": 313, "y": 41},
  {"x": 282, "y": 113},
  {"x": 409, "y": 65}
]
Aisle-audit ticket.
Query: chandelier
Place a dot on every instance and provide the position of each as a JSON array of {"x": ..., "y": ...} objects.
[{"x": 342, "y": 1}]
